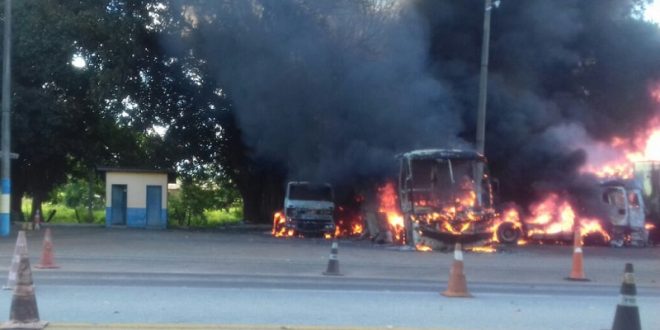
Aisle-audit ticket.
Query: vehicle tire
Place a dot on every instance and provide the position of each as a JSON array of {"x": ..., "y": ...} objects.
[
  {"x": 508, "y": 233},
  {"x": 597, "y": 239}
]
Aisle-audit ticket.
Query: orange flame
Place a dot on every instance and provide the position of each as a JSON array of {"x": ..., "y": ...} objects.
[
  {"x": 482, "y": 249},
  {"x": 556, "y": 216},
  {"x": 423, "y": 248},
  {"x": 510, "y": 215},
  {"x": 349, "y": 220},
  {"x": 389, "y": 207},
  {"x": 644, "y": 146},
  {"x": 279, "y": 228}
]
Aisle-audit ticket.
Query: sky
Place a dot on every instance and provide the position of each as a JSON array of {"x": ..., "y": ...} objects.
[{"x": 653, "y": 12}]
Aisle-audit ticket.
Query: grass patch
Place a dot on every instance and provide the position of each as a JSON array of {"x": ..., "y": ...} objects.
[
  {"x": 224, "y": 217},
  {"x": 210, "y": 219},
  {"x": 63, "y": 214}
]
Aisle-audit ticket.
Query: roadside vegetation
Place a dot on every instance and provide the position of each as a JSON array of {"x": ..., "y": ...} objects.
[
  {"x": 204, "y": 204},
  {"x": 189, "y": 206}
]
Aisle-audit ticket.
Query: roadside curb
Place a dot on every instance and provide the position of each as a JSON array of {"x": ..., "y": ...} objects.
[{"x": 138, "y": 326}]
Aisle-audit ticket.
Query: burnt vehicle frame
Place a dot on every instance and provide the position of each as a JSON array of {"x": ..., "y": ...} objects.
[{"x": 446, "y": 196}]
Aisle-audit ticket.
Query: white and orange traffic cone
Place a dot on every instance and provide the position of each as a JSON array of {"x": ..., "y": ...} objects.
[
  {"x": 333, "y": 261},
  {"x": 21, "y": 248},
  {"x": 457, "y": 285},
  {"x": 47, "y": 254},
  {"x": 577, "y": 271},
  {"x": 24, "y": 313}
]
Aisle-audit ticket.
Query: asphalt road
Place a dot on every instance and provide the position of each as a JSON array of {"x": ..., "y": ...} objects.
[{"x": 249, "y": 278}]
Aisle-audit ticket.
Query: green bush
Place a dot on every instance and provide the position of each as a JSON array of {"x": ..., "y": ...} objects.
[{"x": 197, "y": 206}]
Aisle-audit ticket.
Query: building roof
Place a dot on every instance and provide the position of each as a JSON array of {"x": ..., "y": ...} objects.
[
  {"x": 442, "y": 154},
  {"x": 171, "y": 175}
]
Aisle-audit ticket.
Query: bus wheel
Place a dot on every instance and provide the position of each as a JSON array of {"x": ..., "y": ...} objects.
[{"x": 508, "y": 233}]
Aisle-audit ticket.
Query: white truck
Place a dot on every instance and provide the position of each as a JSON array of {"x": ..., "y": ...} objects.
[
  {"x": 624, "y": 206},
  {"x": 309, "y": 208}
]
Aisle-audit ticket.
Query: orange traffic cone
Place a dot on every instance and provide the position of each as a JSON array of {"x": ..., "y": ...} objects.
[
  {"x": 577, "y": 273},
  {"x": 47, "y": 256},
  {"x": 24, "y": 313},
  {"x": 333, "y": 261},
  {"x": 21, "y": 248},
  {"x": 457, "y": 285}
]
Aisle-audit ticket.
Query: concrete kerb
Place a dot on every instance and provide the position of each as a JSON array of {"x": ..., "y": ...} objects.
[{"x": 137, "y": 326}]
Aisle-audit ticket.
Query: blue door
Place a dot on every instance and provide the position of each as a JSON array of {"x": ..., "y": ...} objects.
[
  {"x": 154, "y": 205},
  {"x": 118, "y": 206}
]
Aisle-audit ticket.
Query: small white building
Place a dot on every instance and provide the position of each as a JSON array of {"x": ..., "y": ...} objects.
[{"x": 136, "y": 198}]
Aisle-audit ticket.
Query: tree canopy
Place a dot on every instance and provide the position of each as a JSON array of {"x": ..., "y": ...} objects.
[{"x": 252, "y": 93}]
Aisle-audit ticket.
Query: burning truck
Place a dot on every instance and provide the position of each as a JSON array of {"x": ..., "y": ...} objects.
[
  {"x": 445, "y": 196},
  {"x": 647, "y": 176},
  {"x": 308, "y": 209}
]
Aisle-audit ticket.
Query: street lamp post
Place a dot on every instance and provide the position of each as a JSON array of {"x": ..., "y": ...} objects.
[{"x": 5, "y": 200}]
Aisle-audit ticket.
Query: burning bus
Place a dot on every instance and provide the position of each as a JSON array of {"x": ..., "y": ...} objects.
[{"x": 445, "y": 195}]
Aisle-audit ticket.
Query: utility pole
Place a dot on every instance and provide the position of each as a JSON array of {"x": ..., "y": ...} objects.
[
  {"x": 5, "y": 200},
  {"x": 483, "y": 79},
  {"x": 483, "y": 91}
]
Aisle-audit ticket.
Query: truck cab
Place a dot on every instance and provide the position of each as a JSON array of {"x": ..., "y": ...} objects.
[
  {"x": 309, "y": 208},
  {"x": 445, "y": 196},
  {"x": 624, "y": 205}
]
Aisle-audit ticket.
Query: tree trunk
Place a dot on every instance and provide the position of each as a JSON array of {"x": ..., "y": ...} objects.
[
  {"x": 37, "y": 200},
  {"x": 262, "y": 195},
  {"x": 17, "y": 205},
  {"x": 90, "y": 196}
]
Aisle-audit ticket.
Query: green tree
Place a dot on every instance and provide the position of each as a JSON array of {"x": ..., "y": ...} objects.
[{"x": 69, "y": 119}]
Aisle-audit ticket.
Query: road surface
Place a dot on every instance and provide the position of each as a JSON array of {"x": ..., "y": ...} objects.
[{"x": 119, "y": 276}]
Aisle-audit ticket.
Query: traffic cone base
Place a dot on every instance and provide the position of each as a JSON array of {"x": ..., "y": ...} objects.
[
  {"x": 11, "y": 325},
  {"x": 626, "y": 316},
  {"x": 24, "y": 313},
  {"x": 577, "y": 279},
  {"x": 457, "y": 284}
]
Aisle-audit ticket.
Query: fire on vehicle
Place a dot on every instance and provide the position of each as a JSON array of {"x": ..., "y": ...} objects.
[{"x": 445, "y": 196}]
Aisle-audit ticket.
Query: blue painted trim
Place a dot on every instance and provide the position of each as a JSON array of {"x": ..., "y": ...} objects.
[
  {"x": 136, "y": 217},
  {"x": 5, "y": 218},
  {"x": 6, "y": 186},
  {"x": 5, "y": 224}
]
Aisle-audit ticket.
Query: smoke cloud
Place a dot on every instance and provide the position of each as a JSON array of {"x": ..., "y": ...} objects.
[{"x": 334, "y": 89}]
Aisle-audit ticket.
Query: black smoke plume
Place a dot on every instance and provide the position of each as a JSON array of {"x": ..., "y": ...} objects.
[{"x": 333, "y": 89}]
